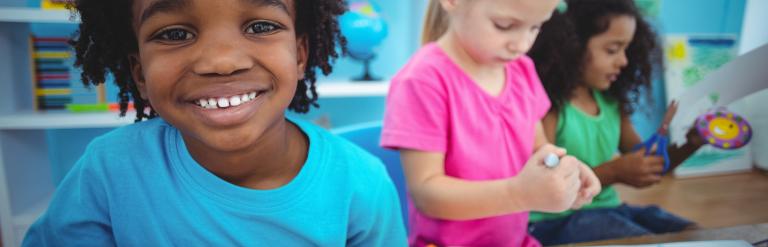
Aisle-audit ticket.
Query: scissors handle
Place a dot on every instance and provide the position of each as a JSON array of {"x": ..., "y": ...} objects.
[
  {"x": 647, "y": 144},
  {"x": 660, "y": 141},
  {"x": 663, "y": 142}
]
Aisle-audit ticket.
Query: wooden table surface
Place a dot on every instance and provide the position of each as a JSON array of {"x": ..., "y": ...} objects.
[
  {"x": 749, "y": 233},
  {"x": 726, "y": 207}
]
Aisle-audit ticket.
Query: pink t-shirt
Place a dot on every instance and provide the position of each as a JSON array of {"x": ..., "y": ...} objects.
[{"x": 434, "y": 106}]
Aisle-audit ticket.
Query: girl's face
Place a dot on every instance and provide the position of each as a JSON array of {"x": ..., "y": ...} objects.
[
  {"x": 497, "y": 31},
  {"x": 223, "y": 72},
  {"x": 606, "y": 52}
]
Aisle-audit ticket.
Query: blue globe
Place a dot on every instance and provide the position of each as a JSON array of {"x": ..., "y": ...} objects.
[{"x": 364, "y": 29}]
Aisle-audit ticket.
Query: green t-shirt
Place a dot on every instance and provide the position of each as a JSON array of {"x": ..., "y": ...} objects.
[{"x": 593, "y": 140}]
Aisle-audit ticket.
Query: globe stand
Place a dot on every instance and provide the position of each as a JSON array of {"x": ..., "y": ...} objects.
[{"x": 366, "y": 76}]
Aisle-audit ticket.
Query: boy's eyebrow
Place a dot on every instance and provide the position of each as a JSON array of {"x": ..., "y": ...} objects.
[
  {"x": 162, "y": 6},
  {"x": 173, "y": 5},
  {"x": 274, "y": 3}
]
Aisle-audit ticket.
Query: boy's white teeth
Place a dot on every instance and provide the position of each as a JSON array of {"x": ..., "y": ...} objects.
[
  {"x": 224, "y": 102},
  {"x": 234, "y": 100}
]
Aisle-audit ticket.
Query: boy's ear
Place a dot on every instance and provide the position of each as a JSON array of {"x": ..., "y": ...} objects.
[
  {"x": 302, "y": 55},
  {"x": 138, "y": 75}
]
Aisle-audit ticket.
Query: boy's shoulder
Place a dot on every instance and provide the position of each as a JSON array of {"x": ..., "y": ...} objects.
[{"x": 130, "y": 138}]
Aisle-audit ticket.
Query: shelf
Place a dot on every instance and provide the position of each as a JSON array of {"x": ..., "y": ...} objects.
[
  {"x": 35, "y": 15},
  {"x": 67, "y": 120},
  {"x": 337, "y": 89},
  {"x": 63, "y": 120}
]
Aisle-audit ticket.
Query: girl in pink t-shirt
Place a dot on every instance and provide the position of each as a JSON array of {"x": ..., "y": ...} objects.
[{"x": 465, "y": 113}]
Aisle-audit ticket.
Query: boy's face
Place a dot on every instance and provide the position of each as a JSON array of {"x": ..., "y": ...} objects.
[{"x": 223, "y": 72}]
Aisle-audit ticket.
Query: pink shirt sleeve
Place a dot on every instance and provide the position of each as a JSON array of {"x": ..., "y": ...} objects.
[
  {"x": 538, "y": 94},
  {"x": 416, "y": 116}
]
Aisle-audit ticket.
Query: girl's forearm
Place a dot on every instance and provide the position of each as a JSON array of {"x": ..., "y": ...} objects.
[
  {"x": 605, "y": 174},
  {"x": 449, "y": 198}
]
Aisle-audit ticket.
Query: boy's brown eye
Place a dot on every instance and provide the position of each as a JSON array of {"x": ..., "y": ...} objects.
[
  {"x": 262, "y": 28},
  {"x": 175, "y": 35}
]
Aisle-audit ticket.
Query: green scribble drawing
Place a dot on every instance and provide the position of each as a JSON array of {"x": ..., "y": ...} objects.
[
  {"x": 692, "y": 75},
  {"x": 704, "y": 60},
  {"x": 714, "y": 97},
  {"x": 712, "y": 57},
  {"x": 703, "y": 159}
]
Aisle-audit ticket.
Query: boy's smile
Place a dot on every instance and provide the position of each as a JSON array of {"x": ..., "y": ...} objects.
[{"x": 227, "y": 104}]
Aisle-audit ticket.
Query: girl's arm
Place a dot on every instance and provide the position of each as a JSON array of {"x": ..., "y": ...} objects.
[
  {"x": 629, "y": 137},
  {"x": 677, "y": 154},
  {"x": 549, "y": 125},
  {"x": 444, "y": 197},
  {"x": 632, "y": 168},
  {"x": 536, "y": 187}
]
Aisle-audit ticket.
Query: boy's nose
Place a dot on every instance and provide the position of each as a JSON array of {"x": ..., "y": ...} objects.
[{"x": 222, "y": 58}]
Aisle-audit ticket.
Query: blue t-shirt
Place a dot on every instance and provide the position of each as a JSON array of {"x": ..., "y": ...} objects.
[{"x": 139, "y": 186}]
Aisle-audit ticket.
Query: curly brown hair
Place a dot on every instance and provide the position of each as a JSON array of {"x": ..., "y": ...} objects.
[
  {"x": 562, "y": 44},
  {"x": 105, "y": 40}
]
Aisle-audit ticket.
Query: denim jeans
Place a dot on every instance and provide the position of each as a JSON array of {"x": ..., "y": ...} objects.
[{"x": 607, "y": 223}]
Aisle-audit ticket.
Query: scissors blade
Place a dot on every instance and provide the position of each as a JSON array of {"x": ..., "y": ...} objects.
[{"x": 671, "y": 110}]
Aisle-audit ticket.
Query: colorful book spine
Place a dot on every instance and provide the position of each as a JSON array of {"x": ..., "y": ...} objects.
[
  {"x": 53, "y": 4},
  {"x": 52, "y": 63},
  {"x": 57, "y": 84}
]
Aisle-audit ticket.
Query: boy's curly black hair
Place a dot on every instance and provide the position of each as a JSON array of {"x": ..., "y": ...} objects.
[
  {"x": 560, "y": 49},
  {"x": 105, "y": 40}
]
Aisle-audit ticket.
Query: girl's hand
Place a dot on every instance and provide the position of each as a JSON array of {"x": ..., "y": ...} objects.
[
  {"x": 590, "y": 187},
  {"x": 693, "y": 137},
  {"x": 636, "y": 169},
  {"x": 548, "y": 189}
]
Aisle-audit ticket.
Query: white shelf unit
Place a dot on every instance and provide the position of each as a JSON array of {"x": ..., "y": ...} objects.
[
  {"x": 32, "y": 120},
  {"x": 32, "y": 15},
  {"x": 25, "y": 165}
]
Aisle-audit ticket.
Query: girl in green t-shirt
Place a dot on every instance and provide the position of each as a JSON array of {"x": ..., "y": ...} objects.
[{"x": 596, "y": 60}]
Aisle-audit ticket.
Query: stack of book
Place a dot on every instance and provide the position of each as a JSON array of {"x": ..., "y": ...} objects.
[
  {"x": 57, "y": 84},
  {"x": 52, "y": 62}
]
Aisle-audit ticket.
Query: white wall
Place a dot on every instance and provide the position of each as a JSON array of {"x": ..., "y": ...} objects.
[
  {"x": 753, "y": 31},
  {"x": 755, "y": 34}
]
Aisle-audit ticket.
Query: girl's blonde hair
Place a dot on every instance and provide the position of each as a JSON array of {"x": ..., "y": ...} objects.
[{"x": 435, "y": 22}]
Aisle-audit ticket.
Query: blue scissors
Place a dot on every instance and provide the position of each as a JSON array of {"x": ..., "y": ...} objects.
[{"x": 657, "y": 143}]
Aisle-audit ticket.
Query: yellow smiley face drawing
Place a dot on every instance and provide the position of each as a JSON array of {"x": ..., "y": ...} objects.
[{"x": 723, "y": 128}]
